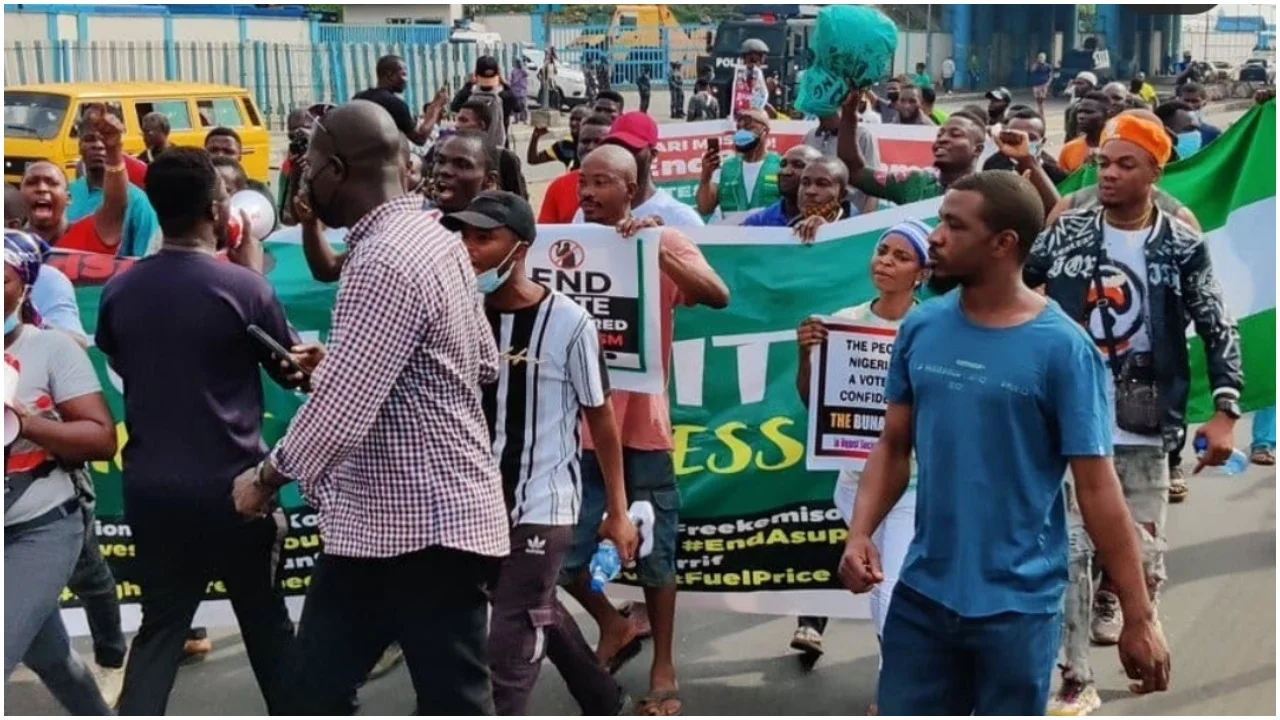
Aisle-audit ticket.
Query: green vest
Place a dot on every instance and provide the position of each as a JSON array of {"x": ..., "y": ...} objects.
[{"x": 733, "y": 191}]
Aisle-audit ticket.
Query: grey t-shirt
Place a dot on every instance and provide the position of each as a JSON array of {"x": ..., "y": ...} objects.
[{"x": 52, "y": 369}]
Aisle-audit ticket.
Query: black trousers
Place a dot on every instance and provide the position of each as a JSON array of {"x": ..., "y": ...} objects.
[
  {"x": 94, "y": 584},
  {"x": 434, "y": 602},
  {"x": 176, "y": 563},
  {"x": 644, "y": 102}
]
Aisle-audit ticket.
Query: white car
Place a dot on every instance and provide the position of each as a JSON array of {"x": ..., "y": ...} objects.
[{"x": 569, "y": 78}]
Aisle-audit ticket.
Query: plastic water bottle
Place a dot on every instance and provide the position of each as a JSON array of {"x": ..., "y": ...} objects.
[
  {"x": 606, "y": 564},
  {"x": 1235, "y": 465}
]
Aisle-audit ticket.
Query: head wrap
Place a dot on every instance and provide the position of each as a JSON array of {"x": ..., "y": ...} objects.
[
  {"x": 914, "y": 232},
  {"x": 1143, "y": 132},
  {"x": 23, "y": 253}
]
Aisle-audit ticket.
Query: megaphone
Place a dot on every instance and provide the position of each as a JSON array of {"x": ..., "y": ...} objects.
[
  {"x": 12, "y": 425},
  {"x": 260, "y": 211}
]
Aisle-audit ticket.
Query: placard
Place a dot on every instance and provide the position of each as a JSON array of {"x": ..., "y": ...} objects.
[
  {"x": 849, "y": 375},
  {"x": 616, "y": 279}
]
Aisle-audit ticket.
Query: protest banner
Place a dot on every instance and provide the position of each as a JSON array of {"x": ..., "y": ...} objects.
[
  {"x": 678, "y": 164},
  {"x": 616, "y": 280},
  {"x": 758, "y": 532},
  {"x": 847, "y": 394}
]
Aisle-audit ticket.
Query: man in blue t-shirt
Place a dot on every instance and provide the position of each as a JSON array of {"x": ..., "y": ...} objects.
[
  {"x": 974, "y": 622},
  {"x": 140, "y": 224}
]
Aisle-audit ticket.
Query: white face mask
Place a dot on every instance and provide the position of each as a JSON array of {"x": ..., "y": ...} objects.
[{"x": 493, "y": 278}]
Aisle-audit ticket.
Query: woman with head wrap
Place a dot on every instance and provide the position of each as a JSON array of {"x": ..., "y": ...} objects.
[
  {"x": 897, "y": 269},
  {"x": 63, "y": 422}
]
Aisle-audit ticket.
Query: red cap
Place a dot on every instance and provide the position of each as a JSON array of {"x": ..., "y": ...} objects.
[{"x": 634, "y": 130}]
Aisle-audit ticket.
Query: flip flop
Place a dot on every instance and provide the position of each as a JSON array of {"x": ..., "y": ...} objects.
[
  {"x": 624, "y": 655},
  {"x": 1263, "y": 456},
  {"x": 656, "y": 702}
]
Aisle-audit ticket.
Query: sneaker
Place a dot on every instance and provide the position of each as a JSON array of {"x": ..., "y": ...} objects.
[
  {"x": 110, "y": 682},
  {"x": 391, "y": 657},
  {"x": 1107, "y": 619},
  {"x": 1074, "y": 698},
  {"x": 1178, "y": 489},
  {"x": 807, "y": 640}
]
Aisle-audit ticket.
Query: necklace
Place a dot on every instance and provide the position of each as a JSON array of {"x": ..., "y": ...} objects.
[{"x": 1131, "y": 224}]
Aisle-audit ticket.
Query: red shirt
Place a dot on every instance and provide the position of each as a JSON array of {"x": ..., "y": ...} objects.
[
  {"x": 83, "y": 235},
  {"x": 560, "y": 203},
  {"x": 136, "y": 170}
]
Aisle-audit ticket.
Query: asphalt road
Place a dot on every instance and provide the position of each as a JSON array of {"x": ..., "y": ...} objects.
[{"x": 1218, "y": 611}]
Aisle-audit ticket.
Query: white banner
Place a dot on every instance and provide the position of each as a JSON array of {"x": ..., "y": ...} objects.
[{"x": 847, "y": 403}]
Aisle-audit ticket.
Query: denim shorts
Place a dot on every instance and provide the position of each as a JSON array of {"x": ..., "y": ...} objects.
[{"x": 649, "y": 475}]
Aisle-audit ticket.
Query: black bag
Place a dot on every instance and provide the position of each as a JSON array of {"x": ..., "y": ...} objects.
[{"x": 1137, "y": 398}]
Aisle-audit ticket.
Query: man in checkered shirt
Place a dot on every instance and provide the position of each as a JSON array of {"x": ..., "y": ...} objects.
[{"x": 392, "y": 448}]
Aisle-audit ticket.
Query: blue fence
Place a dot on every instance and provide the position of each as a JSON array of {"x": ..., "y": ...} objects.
[
  {"x": 628, "y": 50},
  {"x": 387, "y": 34},
  {"x": 280, "y": 77}
]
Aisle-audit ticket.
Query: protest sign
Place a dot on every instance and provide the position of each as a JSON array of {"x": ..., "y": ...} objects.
[
  {"x": 616, "y": 280},
  {"x": 847, "y": 394},
  {"x": 678, "y": 164}
]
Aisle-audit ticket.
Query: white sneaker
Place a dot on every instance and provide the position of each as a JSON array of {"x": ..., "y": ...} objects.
[
  {"x": 1108, "y": 619},
  {"x": 110, "y": 683},
  {"x": 391, "y": 657},
  {"x": 1074, "y": 698}
]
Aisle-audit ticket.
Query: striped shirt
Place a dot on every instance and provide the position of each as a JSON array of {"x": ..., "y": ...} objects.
[
  {"x": 550, "y": 368},
  {"x": 391, "y": 448}
]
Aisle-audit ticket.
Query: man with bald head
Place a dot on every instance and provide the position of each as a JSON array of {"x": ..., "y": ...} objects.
[
  {"x": 638, "y": 134},
  {"x": 392, "y": 448},
  {"x": 1136, "y": 276},
  {"x": 787, "y": 208},
  {"x": 607, "y": 189}
]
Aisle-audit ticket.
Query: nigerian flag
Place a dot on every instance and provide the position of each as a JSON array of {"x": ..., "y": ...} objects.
[{"x": 1231, "y": 188}]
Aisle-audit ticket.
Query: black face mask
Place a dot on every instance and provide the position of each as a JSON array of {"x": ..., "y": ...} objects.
[{"x": 892, "y": 95}]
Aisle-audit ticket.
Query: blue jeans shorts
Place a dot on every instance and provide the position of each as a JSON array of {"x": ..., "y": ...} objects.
[{"x": 649, "y": 475}]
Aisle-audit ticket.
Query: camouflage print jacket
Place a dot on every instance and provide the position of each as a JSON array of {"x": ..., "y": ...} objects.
[{"x": 1181, "y": 290}]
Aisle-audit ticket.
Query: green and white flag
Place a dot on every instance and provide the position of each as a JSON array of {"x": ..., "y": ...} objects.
[{"x": 1231, "y": 188}]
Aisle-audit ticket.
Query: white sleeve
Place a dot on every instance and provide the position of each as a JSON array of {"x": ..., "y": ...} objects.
[{"x": 586, "y": 367}]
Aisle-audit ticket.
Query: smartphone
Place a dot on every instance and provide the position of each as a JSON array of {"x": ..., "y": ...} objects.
[
  {"x": 276, "y": 348},
  {"x": 713, "y": 144}
]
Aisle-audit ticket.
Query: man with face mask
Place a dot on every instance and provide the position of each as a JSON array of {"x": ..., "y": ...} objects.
[
  {"x": 1180, "y": 120},
  {"x": 887, "y": 107},
  {"x": 787, "y": 209},
  {"x": 747, "y": 180},
  {"x": 1028, "y": 121},
  {"x": 561, "y": 200},
  {"x": 606, "y": 190},
  {"x": 549, "y": 348},
  {"x": 1194, "y": 95},
  {"x": 396, "y": 399},
  {"x": 189, "y": 441}
]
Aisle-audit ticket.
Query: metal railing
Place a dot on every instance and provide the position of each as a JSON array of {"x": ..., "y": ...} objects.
[
  {"x": 280, "y": 77},
  {"x": 628, "y": 50}
]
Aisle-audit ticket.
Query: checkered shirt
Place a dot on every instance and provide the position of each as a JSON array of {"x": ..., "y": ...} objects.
[{"x": 392, "y": 448}]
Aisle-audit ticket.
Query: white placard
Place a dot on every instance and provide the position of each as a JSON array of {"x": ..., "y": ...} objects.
[{"x": 847, "y": 401}]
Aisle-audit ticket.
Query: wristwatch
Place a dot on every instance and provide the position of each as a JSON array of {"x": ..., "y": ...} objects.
[{"x": 1228, "y": 406}]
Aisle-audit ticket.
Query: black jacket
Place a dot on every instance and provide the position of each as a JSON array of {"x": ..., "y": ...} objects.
[{"x": 1181, "y": 291}]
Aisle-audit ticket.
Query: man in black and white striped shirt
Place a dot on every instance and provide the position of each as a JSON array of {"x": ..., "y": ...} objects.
[{"x": 551, "y": 373}]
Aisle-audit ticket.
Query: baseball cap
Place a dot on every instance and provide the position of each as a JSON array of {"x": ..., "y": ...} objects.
[
  {"x": 487, "y": 72},
  {"x": 1000, "y": 94},
  {"x": 494, "y": 209},
  {"x": 634, "y": 130}
]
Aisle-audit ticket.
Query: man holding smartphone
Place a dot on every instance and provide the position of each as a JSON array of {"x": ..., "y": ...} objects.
[{"x": 174, "y": 329}]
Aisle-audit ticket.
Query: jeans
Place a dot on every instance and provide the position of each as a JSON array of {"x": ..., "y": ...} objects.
[
  {"x": 1264, "y": 429},
  {"x": 434, "y": 602},
  {"x": 94, "y": 584},
  {"x": 37, "y": 564},
  {"x": 939, "y": 663},
  {"x": 176, "y": 562},
  {"x": 529, "y": 624},
  {"x": 1144, "y": 477}
]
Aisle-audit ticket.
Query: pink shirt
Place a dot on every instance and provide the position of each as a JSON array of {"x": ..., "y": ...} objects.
[{"x": 644, "y": 421}]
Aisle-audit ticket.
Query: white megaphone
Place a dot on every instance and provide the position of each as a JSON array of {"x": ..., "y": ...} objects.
[
  {"x": 11, "y": 423},
  {"x": 260, "y": 211}
]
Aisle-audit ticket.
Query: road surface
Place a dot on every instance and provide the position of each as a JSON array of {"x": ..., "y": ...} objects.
[{"x": 1218, "y": 610}]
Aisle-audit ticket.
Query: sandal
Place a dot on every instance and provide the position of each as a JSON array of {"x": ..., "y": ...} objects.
[
  {"x": 1263, "y": 455},
  {"x": 660, "y": 702},
  {"x": 624, "y": 655}
]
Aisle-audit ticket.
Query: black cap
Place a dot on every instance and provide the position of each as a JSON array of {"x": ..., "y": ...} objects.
[
  {"x": 494, "y": 209},
  {"x": 486, "y": 66},
  {"x": 1001, "y": 94}
]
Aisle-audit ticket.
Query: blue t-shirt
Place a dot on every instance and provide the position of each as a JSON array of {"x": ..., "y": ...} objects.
[
  {"x": 54, "y": 297},
  {"x": 140, "y": 222},
  {"x": 772, "y": 216},
  {"x": 996, "y": 413},
  {"x": 1041, "y": 73}
]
